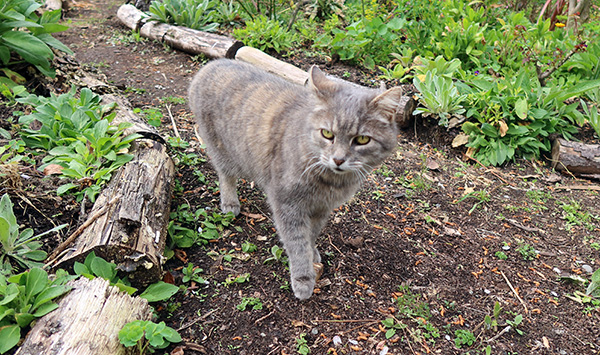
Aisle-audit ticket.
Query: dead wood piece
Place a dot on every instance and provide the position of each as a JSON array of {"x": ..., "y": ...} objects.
[
  {"x": 130, "y": 16},
  {"x": 52, "y": 5},
  {"x": 132, "y": 230},
  {"x": 182, "y": 38},
  {"x": 87, "y": 321},
  {"x": 578, "y": 158},
  {"x": 264, "y": 61}
]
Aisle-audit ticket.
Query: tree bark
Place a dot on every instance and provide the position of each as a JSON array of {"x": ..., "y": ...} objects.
[
  {"x": 130, "y": 215},
  {"x": 87, "y": 321},
  {"x": 577, "y": 158},
  {"x": 182, "y": 38}
]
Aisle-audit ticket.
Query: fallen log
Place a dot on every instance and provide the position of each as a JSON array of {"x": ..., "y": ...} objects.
[
  {"x": 577, "y": 158},
  {"x": 87, "y": 321},
  {"x": 216, "y": 46},
  {"x": 182, "y": 38},
  {"x": 128, "y": 222}
]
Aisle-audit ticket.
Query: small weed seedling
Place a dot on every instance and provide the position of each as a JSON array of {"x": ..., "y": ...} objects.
[
  {"x": 253, "y": 302},
  {"x": 464, "y": 337},
  {"x": 302, "y": 345},
  {"x": 527, "y": 251},
  {"x": 153, "y": 115},
  {"x": 239, "y": 279},
  {"x": 248, "y": 247},
  {"x": 276, "y": 255},
  {"x": 191, "y": 273},
  {"x": 481, "y": 197}
]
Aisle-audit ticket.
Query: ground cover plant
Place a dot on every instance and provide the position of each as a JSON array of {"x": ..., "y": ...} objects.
[{"x": 433, "y": 255}]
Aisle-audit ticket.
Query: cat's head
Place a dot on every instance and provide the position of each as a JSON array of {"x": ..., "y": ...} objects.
[{"x": 353, "y": 129}]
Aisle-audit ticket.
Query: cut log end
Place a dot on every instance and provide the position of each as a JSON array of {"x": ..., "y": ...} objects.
[{"x": 576, "y": 158}]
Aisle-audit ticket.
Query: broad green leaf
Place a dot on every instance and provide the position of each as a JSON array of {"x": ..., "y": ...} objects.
[
  {"x": 103, "y": 268},
  {"x": 50, "y": 294},
  {"x": 521, "y": 108},
  {"x": 10, "y": 336},
  {"x": 61, "y": 190},
  {"x": 24, "y": 319},
  {"x": 44, "y": 309},
  {"x": 81, "y": 269},
  {"x": 5, "y": 234},
  {"x": 159, "y": 291},
  {"x": 9, "y": 294},
  {"x": 29, "y": 47},
  {"x": 37, "y": 280}
]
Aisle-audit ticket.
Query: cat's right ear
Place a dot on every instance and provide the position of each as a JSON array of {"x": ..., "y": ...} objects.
[{"x": 320, "y": 84}]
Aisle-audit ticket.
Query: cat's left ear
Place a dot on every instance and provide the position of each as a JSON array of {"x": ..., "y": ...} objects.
[
  {"x": 387, "y": 103},
  {"x": 318, "y": 81}
]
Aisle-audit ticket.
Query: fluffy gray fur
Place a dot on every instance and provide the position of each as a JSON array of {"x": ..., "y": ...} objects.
[{"x": 303, "y": 145}]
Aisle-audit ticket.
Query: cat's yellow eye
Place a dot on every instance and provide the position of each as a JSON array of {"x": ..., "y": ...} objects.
[
  {"x": 327, "y": 134},
  {"x": 362, "y": 140}
]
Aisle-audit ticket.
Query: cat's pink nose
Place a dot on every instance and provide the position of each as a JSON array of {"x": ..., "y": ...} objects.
[{"x": 338, "y": 162}]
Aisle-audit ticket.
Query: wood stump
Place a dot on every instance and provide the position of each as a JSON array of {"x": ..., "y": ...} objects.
[
  {"x": 87, "y": 321},
  {"x": 578, "y": 158}
]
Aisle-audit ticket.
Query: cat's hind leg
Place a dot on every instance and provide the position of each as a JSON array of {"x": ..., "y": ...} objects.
[{"x": 228, "y": 191}]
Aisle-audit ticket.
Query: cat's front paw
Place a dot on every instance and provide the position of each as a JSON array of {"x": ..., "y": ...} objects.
[
  {"x": 303, "y": 286},
  {"x": 230, "y": 207}
]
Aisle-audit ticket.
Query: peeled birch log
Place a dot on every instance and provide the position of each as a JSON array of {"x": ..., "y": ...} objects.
[
  {"x": 87, "y": 321},
  {"x": 578, "y": 158},
  {"x": 128, "y": 223}
]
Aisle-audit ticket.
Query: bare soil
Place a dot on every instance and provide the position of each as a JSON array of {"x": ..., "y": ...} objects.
[{"x": 418, "y": 243}]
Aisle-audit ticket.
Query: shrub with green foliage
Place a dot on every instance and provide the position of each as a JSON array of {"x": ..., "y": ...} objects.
[
  {"x": 196, "y": 14},
  {"x": 24, "y": 298},
  {"x": 266, "y": 34},
  {"x": 77, "y": 134},
  {"x": 26, "y": 36}
]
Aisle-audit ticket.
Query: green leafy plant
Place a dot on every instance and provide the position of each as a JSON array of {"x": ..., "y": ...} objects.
[
  {"x": 501, "y": 255},
  {"x": 95, "y": 266},
  {"x": 491, "y": 322},
  {"x": 593, "y": 289},
  {"x": 276, "y": 255},
  {"x": 302, "y": 345},
  {"x": 439, "y": 96},
  {"x": 77, "y": 134},
  {"x": 191, "y": 273},
  {"x": 24, "y": 298},
  {"x": 266, "y": 34},
  {"x": 248, "y": 247},
  {"x": 464, "y": 337},
  {"x": 527, "y": 251},
  {"x": 196, "y": 14},
  {"x": 392, "y": 325},
  {"x": 153, "y": 115},
  {"x": 147, "y": 335},
  {"x": 14, "y": 152},
  {"x": 253, "y": 302},
  {"x": 159, "y": 291},
  {"x": 25, "y": 34},
  {"x": 188, "y": 227},
  {"x": 238, "y": 279},
  {"x": 481, "y": 197},
  {"x": 515, "y": 323},
  {"x": 20, "y": 247}
]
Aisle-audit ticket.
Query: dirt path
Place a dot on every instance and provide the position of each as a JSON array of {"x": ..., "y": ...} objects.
[{"x": 428, "y": 246}]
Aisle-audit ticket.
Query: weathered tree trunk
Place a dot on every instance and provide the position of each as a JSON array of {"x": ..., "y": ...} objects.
[
  {"x": 87, "y": 321},
  {"x": 128, "y": 223},
  {"x": 578, "y": 12},
  {"x": 578, "y": 158},
  {"x": 182, "y": 38}
]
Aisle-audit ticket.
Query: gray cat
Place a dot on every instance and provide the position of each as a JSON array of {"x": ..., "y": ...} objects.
[{"x": 308, "y": 147}]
